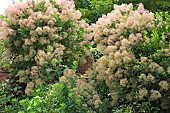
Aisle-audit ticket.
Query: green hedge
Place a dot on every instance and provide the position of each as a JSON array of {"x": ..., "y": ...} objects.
[
  {"x": 93, "y": 9},
  {"x": 152, "y": 5}
]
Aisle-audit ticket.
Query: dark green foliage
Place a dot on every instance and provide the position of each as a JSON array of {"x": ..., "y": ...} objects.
[
  {"x": 4, "y": 98},
  {"x": 155, "y": 40},
  {"x": 93, "y": 9},
  {"x": 8, "y": 104},
  {"x": 152, "y": 5}
]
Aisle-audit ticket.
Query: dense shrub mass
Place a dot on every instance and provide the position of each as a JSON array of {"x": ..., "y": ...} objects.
[
  {"x": 93, "y": 9},
  {"x": 4, "y": 96},
  {"x": 128, "y": 72},
  {"x": 42, "y": 39},
  {"x": 57, "y": 98},
  {"x": 59, "y": 64},
  {"x": 152, "y": 5}
]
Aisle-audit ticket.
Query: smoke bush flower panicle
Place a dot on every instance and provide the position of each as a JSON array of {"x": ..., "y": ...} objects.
[
  {"x": 39, "y": 30},
  {"x": 133, "y": 38},
  {"x": 46, "y": 29},
  {"x": 63, "y": 79},
  {"x": 83, "y": 24},
  {"x": 164, "y": 85},
  {"x": 4, "y": 24},
  {"x": 143, "y": 60},
  {"x": 123, "y": 82},
  {"x": 28, "y": 42},
  {"x": 160, "y": 69},
  {"x": 123, "y": 7},
  {"x": 150, "y": 78},
  {"x": 155, "y": 95},
  {"x": 141, "y": 8},
  {"x": 12, "y": 11},
  {"x": 77, "y": 14},
  {"x": 142, "y": 93},
  {"x": 30, "y": 85},
  {"x": 168, "y": 69}
]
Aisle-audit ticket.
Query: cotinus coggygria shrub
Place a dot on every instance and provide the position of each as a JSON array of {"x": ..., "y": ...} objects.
[
  {"x": 41, "y": 38},
  {"x": 127, "y": 74}
]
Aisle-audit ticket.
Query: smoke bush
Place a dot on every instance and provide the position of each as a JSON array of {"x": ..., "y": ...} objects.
[
  {"x": 42, "y": 38},
  {"x": 128, "y": 73}
]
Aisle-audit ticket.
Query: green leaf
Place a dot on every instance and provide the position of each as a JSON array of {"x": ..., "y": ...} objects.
[
  {"x": 39, "y": 109},
  {"x": 21, "y": 112},
  {"x": 62, "y": 104},
  {"x": 9, "y": 20},
  {"x": 38, "y": 91},
  {"x": 29, "y": 108},
  {"x": 75, "y": 64},
  {"x": 2, "y": 16},
  {"x": 35, "y": 103}
]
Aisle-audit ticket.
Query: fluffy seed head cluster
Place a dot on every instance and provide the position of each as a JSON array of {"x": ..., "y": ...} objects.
[
  {"x": 164, "y": 85},
  {"x": 143, "y": 93},
  {"x": 155, "y": 94}
]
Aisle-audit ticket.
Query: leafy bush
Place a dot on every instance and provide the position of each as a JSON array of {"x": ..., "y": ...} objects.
[
  {"x": 1, "y": 47},
  {"x": 129, "y": 71},
  {"x": 57, "y": 98},
  {"x": 157, "y": 39},
  {"x": 4, "y": 98},
  {"x": 3, "y": 62},
  {"x": 42, "y": 39},
  {"x": 8, "y": 103},
  {"x": 93, "y": 9},
  {"x": 152, "y": 5}
]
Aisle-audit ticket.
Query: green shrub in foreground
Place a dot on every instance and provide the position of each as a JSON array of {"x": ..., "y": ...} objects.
[
  {"x": 8, "y": 104},
  {"x": 57, "y": 98}
]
